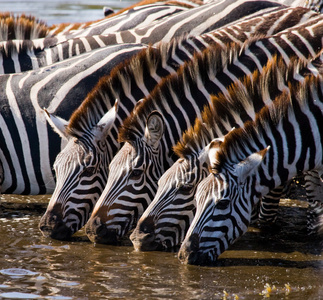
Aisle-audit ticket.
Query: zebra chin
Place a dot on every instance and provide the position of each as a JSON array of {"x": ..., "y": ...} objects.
[{"x": 52, "y": 226}]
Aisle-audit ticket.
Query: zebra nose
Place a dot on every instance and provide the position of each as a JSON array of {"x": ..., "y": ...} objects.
[
  {"x": 189, "y": 249},
  {"x": 52, "y": 225},
  {"x": 98, "y": 232},
  {"x": 143, "y": 237}
]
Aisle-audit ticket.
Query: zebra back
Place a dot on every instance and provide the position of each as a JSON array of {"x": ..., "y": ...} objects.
[
  {"x": 250, "y": 161},
  {"x": 21, "y": 55},
  {"x": 157, "y": 123}
]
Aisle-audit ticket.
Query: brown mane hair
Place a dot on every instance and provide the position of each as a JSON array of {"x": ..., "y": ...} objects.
[
  {"x": 237, "y": 141},
  {"x": 21, "y": 27},
  {"x": 243, "y": 95},
  {"x": 210, "y": 60}
]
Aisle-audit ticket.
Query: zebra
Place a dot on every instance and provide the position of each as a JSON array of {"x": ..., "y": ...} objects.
[
  {"x": 165, "y": 222},
  {"x": 143, "y": 13},
  {"x": 21, "y": 27},
  {"x": 16, "y": 56},
  {"x": 284, "y": 140},
  {"x": 21, "y": 55},
  {"x": 155, "y": 125},
  {"x": 65, "y": 215},
  {"x": 28, "y": 147}
]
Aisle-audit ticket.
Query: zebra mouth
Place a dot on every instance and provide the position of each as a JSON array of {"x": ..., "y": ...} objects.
[
  {"x": 52, "y": 226},
  {"x": 144, "y": 241},
  {"x": 99, "y": 233}
]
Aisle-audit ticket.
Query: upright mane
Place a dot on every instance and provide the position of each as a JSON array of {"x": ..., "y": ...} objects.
[
  {"x": 21, "y": 27},
  {"x": 237, "y": 141},
  {"x": 117, "y": 85},
  {"x": 243, "y": 98},
  {"x": 208, "y": 62}
]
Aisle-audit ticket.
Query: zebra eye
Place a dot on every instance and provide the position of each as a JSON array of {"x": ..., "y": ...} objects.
[
  {"x": 135, "y": 173},
  {"x": 88, "y": 171},
  {"x": 223, "y": 204}
]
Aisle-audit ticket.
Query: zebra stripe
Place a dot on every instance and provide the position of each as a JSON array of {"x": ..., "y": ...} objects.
[
  {"x": 128, "y": 83},
  {"x": 179, "y": 99},
  {"x": 139, "y": 14},
  {"x": 165, "y": 222},
  {"x": 21, "y": 55},
  {"x": 17, "y": 56},
  {"x": 285, "y": 139},
  {"x": 28, "y": 148}
]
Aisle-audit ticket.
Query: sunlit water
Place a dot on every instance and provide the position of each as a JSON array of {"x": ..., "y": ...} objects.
[{"x": 280, "y": 264}]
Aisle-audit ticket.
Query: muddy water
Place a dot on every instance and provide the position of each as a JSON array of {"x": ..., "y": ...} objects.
[{"x": 281, "y": 263}]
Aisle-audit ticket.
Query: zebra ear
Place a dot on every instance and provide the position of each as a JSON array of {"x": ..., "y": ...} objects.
[
  {"x": 249, "y": 166},
  {"x": 58, "y": 124},
  {"x": 154, "y": 128},
  {"x": 213, "y": 148},
  {"x": 102, "y": 128}
]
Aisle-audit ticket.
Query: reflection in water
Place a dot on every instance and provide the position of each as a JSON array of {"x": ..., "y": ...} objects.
[{"x": 281, "y": 264}]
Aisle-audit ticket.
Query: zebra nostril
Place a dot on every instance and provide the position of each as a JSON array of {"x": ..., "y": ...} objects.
[{"x": 52, "y": 225}]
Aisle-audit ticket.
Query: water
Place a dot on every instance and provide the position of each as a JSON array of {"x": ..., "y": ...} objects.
[
  {"x": 62, "y": 11},
  {"x": 280, "y": 264}
]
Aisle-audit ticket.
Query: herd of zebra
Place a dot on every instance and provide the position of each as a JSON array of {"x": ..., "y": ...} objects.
[{"x": 174, "y": 123}]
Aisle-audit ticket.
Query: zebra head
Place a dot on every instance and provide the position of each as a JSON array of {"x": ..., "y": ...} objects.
[
  {"x": 166, "y": 220},
  {"x": 132, "y": 184},
  {"x": 81, "y": 172},
  {"x": 224, "y": 203}
]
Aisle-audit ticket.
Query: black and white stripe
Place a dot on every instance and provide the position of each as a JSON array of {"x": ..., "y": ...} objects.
[
  {"x": 28, "y": 148},
  {"x": 17, "y": 56},
  {"x": 127, "y": 84},
  {"x": 179, "y": 100},
  {"x": 284, "y": 140}
]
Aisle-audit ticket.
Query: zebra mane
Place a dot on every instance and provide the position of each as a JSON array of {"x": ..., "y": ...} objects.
[
  {"x": 239, "y": 140},
  {"x": 21, "y": 27},
  {"x": 215, "y": 117},
  {"x": 210, "y": 60},
  {"x": 117, "y": 83}
]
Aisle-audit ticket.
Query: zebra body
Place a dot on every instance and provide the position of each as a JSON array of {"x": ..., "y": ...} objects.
[
  {"x": 284, "y": 140},
  {"x": 147, "y": 152},
  {"x": 28, "y": 148},
  {"x": 139, "y": 14},
  {"x": 21, "y": 55},
  {"x": 65, "y": 215}
]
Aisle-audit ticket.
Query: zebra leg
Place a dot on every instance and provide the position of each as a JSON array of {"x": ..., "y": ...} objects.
[
  {"x": 314, "y": 193},
  {"x": 264, "y": 214}
]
